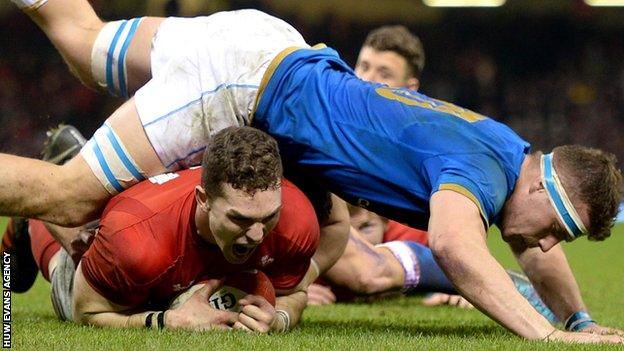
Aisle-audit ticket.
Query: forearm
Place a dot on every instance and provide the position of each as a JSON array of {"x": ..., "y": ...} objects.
[
  {"x": 482, "y": 281},
  {"x": 90, "y": 308},
  {"x": 293, "y": 304},
  {"x": 552, "y": 277},
  {"x": 114, "y": 319},
  {"x": 365, "y": 269},
  {"x": 334, "y": 236}
]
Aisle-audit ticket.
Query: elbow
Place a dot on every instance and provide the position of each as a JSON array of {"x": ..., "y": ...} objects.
[{"x": 443, "y": 247}]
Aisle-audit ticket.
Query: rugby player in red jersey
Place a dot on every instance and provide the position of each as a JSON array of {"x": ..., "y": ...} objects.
[{"x": 169, "y": 232}]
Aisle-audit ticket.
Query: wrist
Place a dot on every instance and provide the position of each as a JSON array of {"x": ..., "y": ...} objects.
[
  {"x": 579, "y": 321},
  {"x": 281, "y": 323},
  {"x": 155, "y": 320},
  {"x": 550, "y": 335}
]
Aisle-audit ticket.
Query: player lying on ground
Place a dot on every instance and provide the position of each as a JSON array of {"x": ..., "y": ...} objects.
[
  {"x": 169, "y": 232},
  {"x": 428, "y": 163}
]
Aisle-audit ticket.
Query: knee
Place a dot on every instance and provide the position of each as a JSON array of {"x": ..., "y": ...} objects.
[{"x": 77, "y": 197}]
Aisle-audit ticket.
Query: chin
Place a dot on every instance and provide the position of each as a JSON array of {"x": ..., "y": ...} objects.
[{"x": 235, "y": 259}]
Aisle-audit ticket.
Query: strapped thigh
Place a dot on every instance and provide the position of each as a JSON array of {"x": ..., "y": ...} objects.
[
  {"x": 110, "y": 161},
  {"x": 108, "y": 57}
]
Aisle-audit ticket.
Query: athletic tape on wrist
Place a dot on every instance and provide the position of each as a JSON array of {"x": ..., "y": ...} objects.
[
  {"x": 408, "y": 261},
  {"x": 155, "y": 320},
  {"x": 315, "y": 266},
  {"x": 285, "y": 319},
  {"x": 29, "y": 5},
  {"x": 579, "y": 321}
]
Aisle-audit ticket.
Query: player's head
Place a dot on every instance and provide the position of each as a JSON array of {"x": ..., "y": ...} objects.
[
  {"x": 573, "y": 191},
  {"x": 371, "y": 225},
  {"x": 393, "y": 56},
  {"x": 239, "y": 200}
]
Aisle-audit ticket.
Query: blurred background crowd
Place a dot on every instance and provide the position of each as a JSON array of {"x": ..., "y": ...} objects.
[{"x": 552, "y": 70}]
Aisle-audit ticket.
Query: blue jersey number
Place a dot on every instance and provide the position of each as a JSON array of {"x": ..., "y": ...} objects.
[{"x": 406, "y": 97}]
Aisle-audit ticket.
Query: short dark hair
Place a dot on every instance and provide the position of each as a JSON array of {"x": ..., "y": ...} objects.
[
  {"x": 243, "y": 157},
  {"x": 591, "y": 176},
  {"x": 400, "y": 40}
]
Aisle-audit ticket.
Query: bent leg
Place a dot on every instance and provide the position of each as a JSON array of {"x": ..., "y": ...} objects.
[
  {"x": 44, "y": 248},
  {"x": 68, "y": 195},
  {"x": 73, "y": 27},
  {"x": 73, "y": 194}
]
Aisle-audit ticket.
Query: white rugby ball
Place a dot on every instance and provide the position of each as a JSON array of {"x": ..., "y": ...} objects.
[{"x": 234, "y": 288}]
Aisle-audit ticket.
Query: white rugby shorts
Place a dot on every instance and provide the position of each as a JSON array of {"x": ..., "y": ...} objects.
[{"x": 205, "y": 76}]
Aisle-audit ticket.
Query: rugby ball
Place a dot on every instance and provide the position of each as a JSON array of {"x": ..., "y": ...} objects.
[{"x": 235, "y": 287}]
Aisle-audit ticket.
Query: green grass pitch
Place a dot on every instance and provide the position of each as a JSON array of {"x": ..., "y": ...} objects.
[{"x": 401, "y": 324}]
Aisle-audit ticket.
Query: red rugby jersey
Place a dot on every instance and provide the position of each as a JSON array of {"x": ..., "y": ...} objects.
[{"x": 147, "y": 249}]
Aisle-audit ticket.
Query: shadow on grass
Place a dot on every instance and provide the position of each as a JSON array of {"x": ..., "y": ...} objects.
[{"x": 413, "y": 329}]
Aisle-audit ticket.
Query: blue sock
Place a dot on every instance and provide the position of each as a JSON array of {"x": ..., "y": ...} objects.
[{"x": 432, "y": 278}]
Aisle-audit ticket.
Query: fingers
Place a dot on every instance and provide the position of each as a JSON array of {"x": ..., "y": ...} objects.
[
  {"x": 437, "y": 299},
  {"x": 585, "y": 338},
  {"x": 598, "y": 329},
  {"x": 240, "y": 326},
  {"x": 256, "y": 300},
  {"x": 320, "y": 295},
  {"x": 257, "y": 308},
  {"x": 209, "y": 287},
  {"x": 227, "y": 318},
  {"x": 246, "y": 322},
  {"x": 256, "y": 314},
  {"x": 459, "y": 301}
]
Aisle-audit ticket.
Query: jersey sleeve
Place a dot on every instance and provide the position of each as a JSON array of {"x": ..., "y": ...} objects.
[
  {"x": 120, "y": 269},
  {"x": 478, "y": 177}
]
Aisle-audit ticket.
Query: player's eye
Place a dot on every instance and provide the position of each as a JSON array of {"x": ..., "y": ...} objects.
[{"x": 366, "y": 226}]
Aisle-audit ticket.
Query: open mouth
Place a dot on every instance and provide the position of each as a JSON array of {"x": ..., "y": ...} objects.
[{"x": 242, "y": 250}]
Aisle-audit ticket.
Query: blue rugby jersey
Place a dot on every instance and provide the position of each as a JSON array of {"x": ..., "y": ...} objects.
[{"x": 384, "y": 149}]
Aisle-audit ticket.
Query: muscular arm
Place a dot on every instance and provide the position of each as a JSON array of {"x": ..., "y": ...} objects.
[
  {"x": 334, "y": 236},
  {"x": 89, "y": 307},
  {"x": 552, "y": 277},
  {"x": 457, "y": 239},
  {"x": 365, "y": 269}
]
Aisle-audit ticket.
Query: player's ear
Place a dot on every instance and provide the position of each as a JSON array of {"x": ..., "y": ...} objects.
[
  {"x": 537, "y": 185},
  {"x": 201, "y": 198},
  {"x": 413, "y": 83}
]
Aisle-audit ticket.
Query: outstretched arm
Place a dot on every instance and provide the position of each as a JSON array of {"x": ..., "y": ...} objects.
[
  {"x": 334, "y": 236},
  {"x": 89, "y": 307},
  {"x": 457, "y": 239}
]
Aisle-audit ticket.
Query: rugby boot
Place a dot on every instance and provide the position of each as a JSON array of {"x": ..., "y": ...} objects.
[
  {"x": 16, "y": 244},
  {"x": 64, "y": 142}
]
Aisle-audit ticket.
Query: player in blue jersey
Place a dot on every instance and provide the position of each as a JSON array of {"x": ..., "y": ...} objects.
[{"x": 454, "y": 172}]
